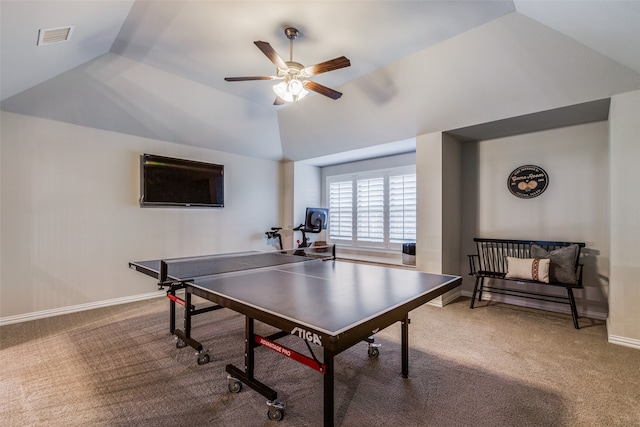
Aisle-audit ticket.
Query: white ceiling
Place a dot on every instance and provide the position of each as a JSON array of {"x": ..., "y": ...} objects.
[{"x": 156, "y": 68}]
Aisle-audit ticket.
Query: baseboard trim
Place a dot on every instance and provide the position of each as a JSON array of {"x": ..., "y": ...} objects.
[
  {"x": 626, "y": 342},
  {"x": 522, "y": 302},
  {"x": 439, "y": 302},
  {"x": 623, "y": 341},
  {"x": 612, "y": 339},
  {"x": 374, "y": 256},
  {"x": 446, "y": 298},
  {"x": 77, "y": 308},
  {"x": 379, "y": 262}
]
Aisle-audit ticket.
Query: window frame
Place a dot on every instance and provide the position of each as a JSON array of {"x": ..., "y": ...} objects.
[{"x": 386, "y": 243}]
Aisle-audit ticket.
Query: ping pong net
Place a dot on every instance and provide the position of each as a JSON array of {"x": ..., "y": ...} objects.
[{"x": 189, "y": 268}]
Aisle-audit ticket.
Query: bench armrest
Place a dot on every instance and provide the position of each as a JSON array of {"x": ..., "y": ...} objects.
[
  {"x": 580, "y": 274},
  {"x": 474, "y": 264}
]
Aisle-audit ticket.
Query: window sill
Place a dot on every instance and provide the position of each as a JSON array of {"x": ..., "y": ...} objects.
[{"x": 373, "y": 256}]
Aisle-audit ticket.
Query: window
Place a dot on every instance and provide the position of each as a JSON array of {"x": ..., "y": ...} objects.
[
  {"x": 341, "y": 210},
  {"x": 370, "y": 210},
  {"x": 373, "y": 209},
  {"x": 402, "y": 208}
]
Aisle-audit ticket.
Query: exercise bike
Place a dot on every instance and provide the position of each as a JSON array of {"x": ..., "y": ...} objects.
[{"x": 275, "y": 234}]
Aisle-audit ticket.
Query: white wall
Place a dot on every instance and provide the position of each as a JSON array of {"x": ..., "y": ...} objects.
[
  {"x": 378, "y": 163},
  {"x": 301, "y": 189},
  {"x": 287, "y": 216},
  {"x": 573, "y": 208},
  {"x": 429, "y": 234},
  {"x": 438, "y": 208},
  {"x": 508, "y": 67},
  {"x": 624, "y": 298},
  {"x": 306, "y": 194},
  {"x": 71, "y": 221},
  {"x": 451, "y": 205}
]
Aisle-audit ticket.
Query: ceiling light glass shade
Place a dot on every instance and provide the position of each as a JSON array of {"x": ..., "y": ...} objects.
[
  {"x": 295, "y": 87},
  {"x": 290, "y": 91}
]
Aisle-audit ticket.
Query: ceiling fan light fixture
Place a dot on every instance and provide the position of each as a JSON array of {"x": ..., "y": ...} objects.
[
  {"x": 295, "y": 86},
  {"x": 290, "y": 91},
  {"x": 280, "y": 89}
]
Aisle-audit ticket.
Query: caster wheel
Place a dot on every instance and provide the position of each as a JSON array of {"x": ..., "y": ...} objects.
[
  {"x": 180, "y": 344},
  {"x": 275, "y": 414},
  {"x": 235, "y": 386},
  {"x": 374, "y": 352},
  {"x": 203, "y": 359}
]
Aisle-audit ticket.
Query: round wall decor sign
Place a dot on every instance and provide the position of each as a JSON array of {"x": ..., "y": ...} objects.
[{"x": 528, "y": 181}]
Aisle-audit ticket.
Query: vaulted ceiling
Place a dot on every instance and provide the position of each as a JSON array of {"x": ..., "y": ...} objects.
[{"x": 156, "y": 68}]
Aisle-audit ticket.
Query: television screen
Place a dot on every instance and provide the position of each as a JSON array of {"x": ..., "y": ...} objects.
[
  {"x": 166, "y": 181},
  {"x": 316, "y": 219}
]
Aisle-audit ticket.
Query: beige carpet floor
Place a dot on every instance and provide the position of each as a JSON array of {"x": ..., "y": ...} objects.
[{"x": 496, "y": 365}]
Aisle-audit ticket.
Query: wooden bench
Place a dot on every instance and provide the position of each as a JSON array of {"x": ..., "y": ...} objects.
[{"x": 492, "y": 258}]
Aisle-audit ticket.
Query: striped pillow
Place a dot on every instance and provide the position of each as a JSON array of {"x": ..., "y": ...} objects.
[{"x": 528, "y": 268}]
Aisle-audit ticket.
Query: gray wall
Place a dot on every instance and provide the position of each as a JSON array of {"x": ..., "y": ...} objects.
[
  {"x": 71, "y": 220},
  {"x": 573, "y": 208},
  {"x": 624, "y": 300},
  {"x": 61, "y": 246}
]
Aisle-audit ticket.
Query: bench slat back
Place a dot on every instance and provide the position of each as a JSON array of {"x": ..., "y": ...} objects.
[{"x": 492, "y": 253}]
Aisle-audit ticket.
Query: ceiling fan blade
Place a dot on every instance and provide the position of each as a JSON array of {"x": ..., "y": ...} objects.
[
  {"x": 322, "y": 90},
  {"x": 271, "y": 54},
  {"x": 278, "y": 101},
  {"x": 242, "y": 79},
  {"x": 323, "y": 67}
]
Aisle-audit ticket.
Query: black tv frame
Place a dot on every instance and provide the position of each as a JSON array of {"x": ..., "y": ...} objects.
[{"x": 163, "y": 180}]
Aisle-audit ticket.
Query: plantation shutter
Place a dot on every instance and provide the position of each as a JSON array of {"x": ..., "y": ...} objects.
[
  {"x": 370, "y": 210},
  {"x": 341, "y": 210},
  {"x": 402, "y": 208}
]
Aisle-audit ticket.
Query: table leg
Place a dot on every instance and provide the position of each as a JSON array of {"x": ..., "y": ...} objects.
[
  {"x": 405, "y": 345},
  {"x": 247, "y": 376},
  {"x": 187, "y": 314},
  {"x": 249, "y": 360},
  {"x": 328, "y": 388},
  {"x": 172, "y": 312}
]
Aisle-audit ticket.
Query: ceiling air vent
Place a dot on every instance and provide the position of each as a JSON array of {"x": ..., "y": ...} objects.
[{"x": 54, "y": 35}]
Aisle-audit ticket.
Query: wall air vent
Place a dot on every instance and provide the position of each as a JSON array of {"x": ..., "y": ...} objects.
[{"x": 54, "y": 35}]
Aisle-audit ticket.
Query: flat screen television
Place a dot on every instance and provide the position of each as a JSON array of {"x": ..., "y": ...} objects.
[
  {"x": 316, "y": 219},
  {"x": 166, "y": 181}
]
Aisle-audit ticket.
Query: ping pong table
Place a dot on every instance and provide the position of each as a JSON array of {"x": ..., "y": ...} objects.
[{"x": 329, "y": 304}]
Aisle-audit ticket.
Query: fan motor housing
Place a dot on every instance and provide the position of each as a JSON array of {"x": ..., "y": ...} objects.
[
  {"x": 291, "y": 33},
  {"x": 295, "y": 69}
]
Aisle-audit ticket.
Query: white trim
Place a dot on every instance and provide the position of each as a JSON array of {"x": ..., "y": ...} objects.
[
  {"x": 76, "y": 308},
  {"x": 626, "y": 342},
  {"x": 446, "y": 298},
  {"x": 612, "y": 339},
  {"x": 383, "y": 256},
  {"x": 618, "y": 340},
  {"x": 540, "y": 305}
]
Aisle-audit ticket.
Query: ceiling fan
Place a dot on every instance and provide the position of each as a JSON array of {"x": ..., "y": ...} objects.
[{"x": 294, "y": 85}]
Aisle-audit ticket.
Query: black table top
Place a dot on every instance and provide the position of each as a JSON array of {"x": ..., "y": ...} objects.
[{"x": 327, "y": 296}]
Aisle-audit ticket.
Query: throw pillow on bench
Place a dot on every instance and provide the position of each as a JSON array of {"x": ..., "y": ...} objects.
[
  {"x": 528, "y": 268},
  {"x": 563, "y": 262}
]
